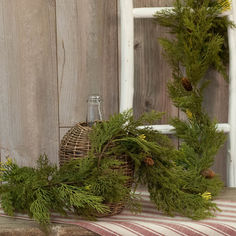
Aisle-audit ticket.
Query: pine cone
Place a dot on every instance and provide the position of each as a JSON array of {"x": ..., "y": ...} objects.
[
  {"x": 186, "y": 84},
  {"x": 209, "y": 173},
  {"x": 189, "y": 30},
  {"x": 149, "y": 161}
]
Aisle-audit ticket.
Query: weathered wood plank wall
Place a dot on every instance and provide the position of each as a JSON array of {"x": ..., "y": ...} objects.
[
  {"x": 87, "y": 56},
  {"x": 28, "y": 80},
  {"x": 151, "y": 69},
  {"x": 216, "y": 103},
  {"x": 54, "y": 53}
]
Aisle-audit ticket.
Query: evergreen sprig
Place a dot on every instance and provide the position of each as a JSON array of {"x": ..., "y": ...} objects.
[{"x": 45, "y": 189}]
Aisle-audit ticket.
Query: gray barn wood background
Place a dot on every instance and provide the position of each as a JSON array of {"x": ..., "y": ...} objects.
[{"x": 54, "y": 53}]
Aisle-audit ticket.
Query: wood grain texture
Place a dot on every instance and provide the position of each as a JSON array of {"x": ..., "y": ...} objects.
[
  {"x": 151, "y": 69},
  {"x": 216, "y": 102},
  {"x": 28, "y": 91},
  {"x": 63, "y": 131},
  {"x": 87, "y": 57}
]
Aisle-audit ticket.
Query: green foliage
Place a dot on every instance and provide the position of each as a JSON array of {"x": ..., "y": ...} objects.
[
  {"x": 173, "y": 187},
  {"x": 201, "y": 38},
  {"x": 201, "y": 142},
  {"x": 174, "y": 178},
  {"x": 45, "y": 189},
  {"x": 200, "y": 44},
  {"x": 121, "y": 135},
  {"x": 83, "y": 186},
  {"x": 106, "y": 182}
]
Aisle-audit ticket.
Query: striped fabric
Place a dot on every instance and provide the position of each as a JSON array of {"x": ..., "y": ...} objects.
[{"x": 151, "y": 222}]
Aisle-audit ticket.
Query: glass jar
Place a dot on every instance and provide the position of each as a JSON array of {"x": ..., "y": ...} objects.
[{"x": 94, "y": 109}]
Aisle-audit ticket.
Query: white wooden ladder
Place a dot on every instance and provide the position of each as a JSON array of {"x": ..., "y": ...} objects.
[{"x": 127, "y": 15}]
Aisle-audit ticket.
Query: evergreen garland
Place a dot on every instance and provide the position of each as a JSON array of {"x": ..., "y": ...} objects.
[
  {"x": 45, "y": 189},
  {"x": 200, "y": 44},
  {"x": 179, "y": 181},
  {"x": 83, "y": 186}
]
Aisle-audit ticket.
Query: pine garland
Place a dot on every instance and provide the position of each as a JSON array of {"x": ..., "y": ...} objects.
[
  {"x": 179, "y": 181},
  {"x": 45, "y": 189},
  {"x": 84, "y": 186},
  {"x": 200, "y": 44}
]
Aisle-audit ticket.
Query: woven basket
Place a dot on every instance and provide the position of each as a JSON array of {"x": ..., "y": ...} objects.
[{"x": 75, "y": 144}]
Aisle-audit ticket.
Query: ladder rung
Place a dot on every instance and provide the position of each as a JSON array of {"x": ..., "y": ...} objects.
[
  {"x": 148, "y": 12},
  {"x": 169, "y": 129}
]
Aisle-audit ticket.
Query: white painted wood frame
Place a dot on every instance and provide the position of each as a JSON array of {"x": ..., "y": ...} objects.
[
  {"x": 231, "y": 171},
  {"x": 127, "y": 15},
  {"x": 127, "y": 55}
]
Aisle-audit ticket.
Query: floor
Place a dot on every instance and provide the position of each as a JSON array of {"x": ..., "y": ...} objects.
[{"x": 17, "y": 227}]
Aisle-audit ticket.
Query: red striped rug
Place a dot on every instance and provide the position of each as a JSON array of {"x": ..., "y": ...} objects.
[{"x": 151, "y": 222}]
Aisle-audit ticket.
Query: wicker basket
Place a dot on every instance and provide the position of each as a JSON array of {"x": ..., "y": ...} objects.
[{"x": 75, "y": 144}]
